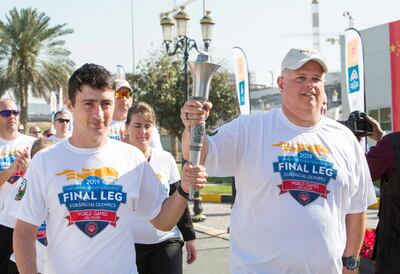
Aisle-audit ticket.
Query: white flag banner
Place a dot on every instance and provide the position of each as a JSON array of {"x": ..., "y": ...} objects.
[
  {"x": 60, "y": 99},
  {"x": 242, "y": 80},
  {"x": 354, "y": 66},
  {"x": 120, "y": 74}
]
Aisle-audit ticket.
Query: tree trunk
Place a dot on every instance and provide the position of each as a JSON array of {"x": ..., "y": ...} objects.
[
  {"x": 174, "y": 146},
  {"x": 23, "y": 119}
]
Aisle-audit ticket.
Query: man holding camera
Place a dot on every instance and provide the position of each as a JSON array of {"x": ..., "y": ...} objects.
[
  {"x": 384, "y": 163},
  {"x": 303, "y": 184}
]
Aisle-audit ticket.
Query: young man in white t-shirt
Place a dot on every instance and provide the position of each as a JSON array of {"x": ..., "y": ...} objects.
[
  {"x": 14, "y": 158},
  {"x": 87, "y": 187},
  {"x": 303, "y": 185},
  {"x": 123, "y": 101}
]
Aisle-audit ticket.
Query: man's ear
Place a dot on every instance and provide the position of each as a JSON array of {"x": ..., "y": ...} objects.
[
  {"x": 281, "y": 84},
  {"x": 68, "y": 103}
]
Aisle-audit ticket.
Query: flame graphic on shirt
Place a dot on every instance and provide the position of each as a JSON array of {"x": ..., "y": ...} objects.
[{"x": 102, "y": 172}]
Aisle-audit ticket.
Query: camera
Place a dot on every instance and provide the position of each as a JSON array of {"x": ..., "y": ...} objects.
[{"x": 358, "y": 124}]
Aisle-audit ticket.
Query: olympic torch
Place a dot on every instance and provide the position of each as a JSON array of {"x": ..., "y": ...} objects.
[{"x": 202, "y": 72}]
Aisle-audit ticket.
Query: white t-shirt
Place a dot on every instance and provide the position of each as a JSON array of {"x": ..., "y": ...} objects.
[
  {"x": 166, "y": 170},
  {"x": 14, "y": 201},
  {"x": 295, "y": 186},
  {"x": 87, "y": 197},
  {"x": 56, "y": 139},
  {"x": 8, "y": 149},
  {"x": 118, "y": 131}
]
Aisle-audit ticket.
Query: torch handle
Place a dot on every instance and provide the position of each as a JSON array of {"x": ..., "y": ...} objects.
[{"x": 196, "y": 143}]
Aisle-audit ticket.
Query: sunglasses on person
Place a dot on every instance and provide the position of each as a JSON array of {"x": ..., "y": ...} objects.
[
  {"x": 8, "y": 112},
  {"x": 123, "y": 93},
  {"x": 21, "y": 130},
  {"x": 35, "y": 131},
  {"x": 61, "y": 120}
]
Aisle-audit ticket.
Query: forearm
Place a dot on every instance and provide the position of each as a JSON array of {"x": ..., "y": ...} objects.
[
  {"x": 184, "y": 224},
  {"x": 171, "y": 211},
  {"x": 4, "y": 175},
  {"x": 25, "y": 251},
  {"x": 355, "y": 229}
]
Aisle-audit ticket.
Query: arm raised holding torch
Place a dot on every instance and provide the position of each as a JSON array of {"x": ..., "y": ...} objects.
[{"x": 195, "y": 111}]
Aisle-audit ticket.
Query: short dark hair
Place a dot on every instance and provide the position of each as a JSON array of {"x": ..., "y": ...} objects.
[
  {"x": 143, "y": 109},
  {"x": 92, "y": 75}
]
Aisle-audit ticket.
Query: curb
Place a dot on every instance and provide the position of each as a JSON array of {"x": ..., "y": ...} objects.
[
  {"x": 211, "y": 231},
  {"x": 216, "y": 198},
  {"x": 376, "y": 205}
]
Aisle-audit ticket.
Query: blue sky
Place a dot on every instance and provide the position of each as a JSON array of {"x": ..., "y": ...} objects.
[{"x": 264, "y": 29}]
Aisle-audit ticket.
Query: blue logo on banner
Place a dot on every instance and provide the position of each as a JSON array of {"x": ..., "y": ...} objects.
[
  {"x": 354, "y": 79},
  {"x": 92, "y": 205},
  {"x": 241, "y": 93}
]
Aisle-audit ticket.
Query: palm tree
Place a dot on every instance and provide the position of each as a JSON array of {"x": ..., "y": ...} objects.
[{"x": 32, "y": 56}]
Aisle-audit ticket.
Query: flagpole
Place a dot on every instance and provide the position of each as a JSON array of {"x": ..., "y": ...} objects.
[{"x": 133, "y": 40}]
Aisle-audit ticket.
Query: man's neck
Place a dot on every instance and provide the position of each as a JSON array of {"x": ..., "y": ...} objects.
[
  {"x": 61, "y": 135},
  {"x": 8, "y": 134},
  {"x": 87, "y": 142},
  {"x": 309, "y": 120},
  {"x": 120, "y": 116}
]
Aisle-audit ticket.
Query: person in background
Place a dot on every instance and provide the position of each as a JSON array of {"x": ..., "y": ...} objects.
[
  {"x": 21, "y": 128},
  {"x": 384, "y": 163},
  {"x": 35, "y": 131},
  {"x": 324, "y": 107},
  {"x": 14, "y": 159},
  {"x": 14, "y": 199},
  {"x": 158, "y": 252},
  {"x": 49, "y": 132},
  {"x": 61, "y": 124},
  {"x": 303, "y": 184},
  {"x": 123, "y": 100}
]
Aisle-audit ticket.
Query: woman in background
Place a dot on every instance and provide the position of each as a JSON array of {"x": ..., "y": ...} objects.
[{"x": 158, "y": 252}]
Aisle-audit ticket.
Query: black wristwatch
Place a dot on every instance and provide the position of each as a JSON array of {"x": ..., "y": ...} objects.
[
  {"x": 183, "y": 193},
  {"x": 350, "y": 262}
]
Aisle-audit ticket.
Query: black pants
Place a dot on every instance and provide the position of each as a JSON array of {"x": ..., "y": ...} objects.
[
  {"x": 161, "y": 258},
  {"x": 12, "y": 268},
  {"x": 6, "y": 247}
]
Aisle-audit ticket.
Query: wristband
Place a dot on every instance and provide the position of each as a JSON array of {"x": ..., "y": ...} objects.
[{"x": 183, "y": 193}]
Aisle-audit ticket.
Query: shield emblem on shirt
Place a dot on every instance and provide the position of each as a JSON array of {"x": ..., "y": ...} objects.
[
  {"x": 92, "y": 205},
  {"x": 304, "y": 176}
]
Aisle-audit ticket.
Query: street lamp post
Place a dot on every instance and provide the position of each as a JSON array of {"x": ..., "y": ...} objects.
[{"x": 184, "y": 44}]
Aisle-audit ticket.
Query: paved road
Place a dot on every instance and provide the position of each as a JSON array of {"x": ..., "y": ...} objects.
[{"x": 212, "y": 256}]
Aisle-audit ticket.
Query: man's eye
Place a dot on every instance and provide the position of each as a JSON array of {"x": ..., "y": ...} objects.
[
  {"x": 106, "y": 104},
  {"x": 317, "y": 80}
]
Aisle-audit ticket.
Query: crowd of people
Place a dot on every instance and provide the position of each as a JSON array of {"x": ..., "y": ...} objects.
[{"x": 106, "y": 198}]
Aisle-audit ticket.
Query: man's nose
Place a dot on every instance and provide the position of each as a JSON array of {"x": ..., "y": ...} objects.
[{"x": 98, "y": 112}]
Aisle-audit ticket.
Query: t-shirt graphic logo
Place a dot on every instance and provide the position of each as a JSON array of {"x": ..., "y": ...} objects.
[
  {"x": 304, "y": 176},
  {"x": 94, "y": 203},
  {"x": 41, "y": 235}
]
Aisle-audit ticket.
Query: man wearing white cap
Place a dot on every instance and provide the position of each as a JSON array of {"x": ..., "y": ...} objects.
[
  {"x": 303, "y": 185},
  {"x": 123, "y": 101}
]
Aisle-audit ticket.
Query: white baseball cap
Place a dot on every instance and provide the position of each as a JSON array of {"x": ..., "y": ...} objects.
[
  {"x": 122, "y": 84},
  {"x": 296, "y": 58}
]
